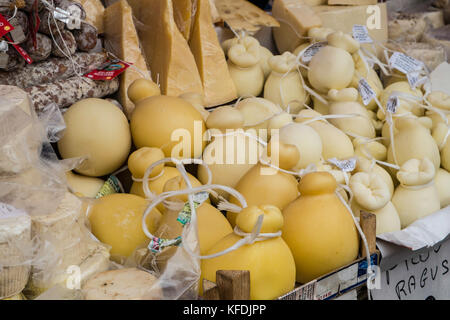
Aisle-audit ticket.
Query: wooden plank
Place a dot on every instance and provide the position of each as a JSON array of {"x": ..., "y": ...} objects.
[
  {"x": 210, "y": 290},
  {"x": 233, "y": 284},
  {"x": 368, "y": 226}
]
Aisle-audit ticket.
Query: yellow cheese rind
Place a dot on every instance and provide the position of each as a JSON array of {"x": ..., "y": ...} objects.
[
  {"x": 94, "y": 13},
  {"x": 352, "y": 2},
  {"x": 295, "y": 18},
  {"x": 182, "y": 13},
  {"x": 218, "y": 86},
  {"x": 167, "y": 52},
  {"x": 121, "y": 39}
]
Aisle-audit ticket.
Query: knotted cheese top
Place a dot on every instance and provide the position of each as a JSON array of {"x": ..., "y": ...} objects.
[
  {"x": 369, "y": 190},
  {"x": 245, "y": 53},
  {"x": 416, "y": 172},
  {"x": 283, "y": 63}
]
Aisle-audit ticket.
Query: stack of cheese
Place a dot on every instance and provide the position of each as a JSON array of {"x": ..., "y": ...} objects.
[
  {"x": 297, "y": 17},
  {"x": 181, "y": 48},
  {"x": 421, "y": 34},
  {"x": 15, "y": 250},
  {"x": 64, "y": 244}
]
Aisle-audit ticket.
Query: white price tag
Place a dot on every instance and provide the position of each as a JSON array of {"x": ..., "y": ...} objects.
[
  {"x": 312, "y": 50},
  {"x": 392, "y": 104},
  {"x": 366, "y": 91},
  {"x": 347, "y": 165},
  {"x": 404, "y": 63},
  {"x": 361, "y": 34},
  {"x": 415, "y": 79}
]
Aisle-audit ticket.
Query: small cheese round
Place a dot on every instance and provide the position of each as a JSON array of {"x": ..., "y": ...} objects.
[
  {"x": 142, "y": 88},
  {"x": 122, "y": 284},
  {"x": 168, "y": 123},
  {"x": 141, "y": 159},
  {"x": 331, "y": 68},
  {"x": 97, "y": 129}
]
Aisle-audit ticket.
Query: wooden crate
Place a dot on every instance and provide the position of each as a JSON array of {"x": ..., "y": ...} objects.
[{"x": 235, "y": 284}]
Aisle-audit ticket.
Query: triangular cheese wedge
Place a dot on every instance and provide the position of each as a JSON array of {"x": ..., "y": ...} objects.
[
  {"x": 122, "y": 40},
  {"x": 182, "y": 13},
  {"x": 170, "y": 59},
  {"x": 218, "y": 86}
]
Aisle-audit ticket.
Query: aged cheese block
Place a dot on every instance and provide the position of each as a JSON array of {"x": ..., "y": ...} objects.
[
  {"x": 94, "y": 13},
  {"x": 182, "y": 13},
  {"x": 343, "y": 18},
  {"x": 243, "y": 15},
  {"x": 121, "y": 39},
  {"x": 406, "y": 27},
  {"x": 166, "y": 50},
  {"x": 218, "y": 87},
  {"x": 428, "y": 53},
  {"x": 295, "y": 19},
  {"x": 15, "y": 250},
  {"x": 439, "y": 37}
]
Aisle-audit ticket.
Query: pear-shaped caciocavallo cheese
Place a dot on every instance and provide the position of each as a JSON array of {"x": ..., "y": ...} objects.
[
  {"x": 416, "y": 196},
  {"x": 264, "y": 185},
  {"x": 318, "y": 228},
  {"x": 270, "y": 262}
]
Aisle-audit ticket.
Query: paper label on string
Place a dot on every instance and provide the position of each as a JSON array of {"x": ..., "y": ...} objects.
[
  {"x": 109, "y": 70},
  {"x": 404, "y": 63},
  {"x": 347, "y": 165},
  {"x": 18, "y": 35},
  {"x": 361, "y": 34},
  {"x": 312, "y": 50},
  {"x": 111, "y": 186},
  {"x": 71, "y": 17},
  {"x": 415, "y": 79},
  {"x": 156, "y": 244},
  {"x": 3, "y": 46},
  {"x": 5, "y": 26},
  {"x": 366, "y": 91},
  {"x": 185, "y": 215},
  {"x": 392, "y": 104}
]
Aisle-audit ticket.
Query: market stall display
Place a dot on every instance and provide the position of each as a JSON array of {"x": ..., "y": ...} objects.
[{"x": 171, "y": 149}]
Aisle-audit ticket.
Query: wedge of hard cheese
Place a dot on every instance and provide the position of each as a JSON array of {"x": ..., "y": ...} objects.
[
  {"x": 343, "y": 18},
  {"x": 218, "y": 87},
  {"x": 166, "y": 50},
  {"x": 243, "y": 15},
  {"x": 122, "y": 40},
  {"x": 295, "y": 18},
  {"x": 182, "y": 13},
  {"x": 94, "y": 13}
]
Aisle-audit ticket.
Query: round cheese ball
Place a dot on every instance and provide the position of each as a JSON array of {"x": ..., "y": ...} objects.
[
  {"x": 98, "y": 130},
  {"x": 331, "y": 68},
  {"x": 116, "y": 220},
  {"x": 142, "y": 88},
  {"x": 168, "y": 123},
  {"x": 84, "y": 186}
]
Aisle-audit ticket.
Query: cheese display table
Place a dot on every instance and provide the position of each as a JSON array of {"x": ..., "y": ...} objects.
[{"x": 224, "y": 150}]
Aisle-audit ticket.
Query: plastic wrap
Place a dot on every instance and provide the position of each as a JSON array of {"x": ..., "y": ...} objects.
[
  {"x": 65, "y": 246},
  {"x": 15, "y": 250}
]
